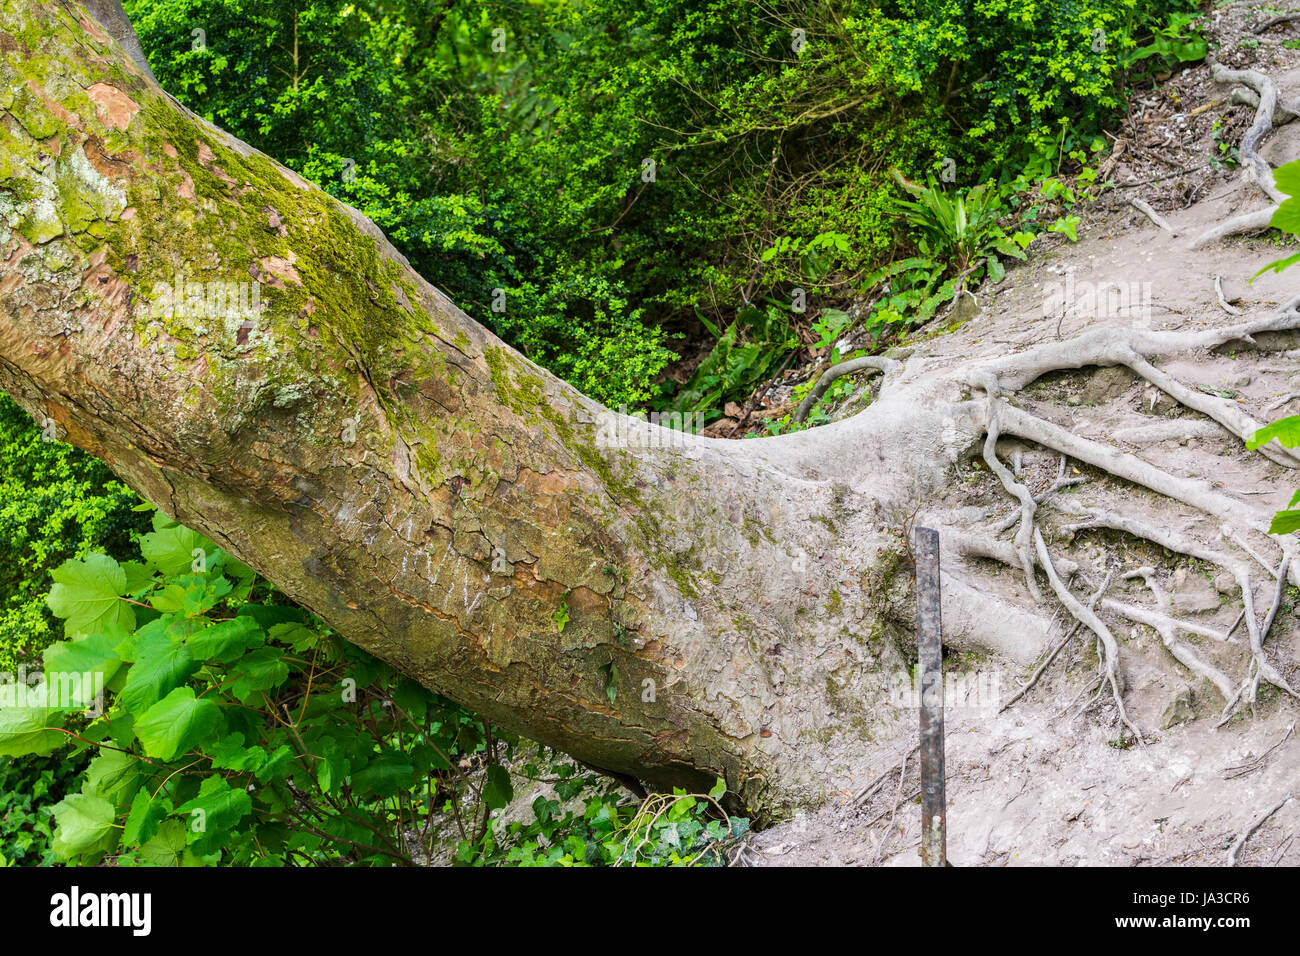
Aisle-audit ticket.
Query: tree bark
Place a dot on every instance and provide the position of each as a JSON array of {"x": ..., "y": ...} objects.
[
  {"x": 718, "y": 594},
  {"x": 733, "y": 608}
]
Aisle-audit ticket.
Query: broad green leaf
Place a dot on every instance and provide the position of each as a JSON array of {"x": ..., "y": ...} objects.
[
  {"x": 191, "y": 595},
  {"x": 138, "y": 577},
  {"x": 113, "y": 775},
  {"x": 224, "y": 640},
  {"x": 167, "y": 846},
  {"x": 230, "y": 753},
  {"x": 29, "y": 730},
  {"x": 1277, "y": 265},
  {"x": 383, "y": 776},
  {"x": 93, "y": 654},
  {"x": 85, "y": 826},
  {"x": 269, "y": 615},
  {"x": 259, "y": 670},
  {"x": 1287, "y": 178},
  {"x": 161, "y": 664},
  {"x": 277, "y": 763},
  {"x": 176, "y": 724},
  {"x": 87, "y": 594},
  {"x": 214, "y": 812},
  {"x": 1286, "y": 217},
  {"x": 1285, "y": 430},
  {"x": 1285, "y": 522},
  {"x": 147, "y": 812},
  {"x": 170, "y": 547}
]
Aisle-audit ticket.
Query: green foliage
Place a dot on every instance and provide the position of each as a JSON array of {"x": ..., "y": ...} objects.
[
  {"x": 677, "y": 829},
  {"x": 55, "y": 503},
  {"x": 597, "y": 173},
  {"x": 30, "y": 786},
  {"x": 1174, "y": 42},
  {"x": 237, "y": 730},
  {"x": 1286, "y": 430}
]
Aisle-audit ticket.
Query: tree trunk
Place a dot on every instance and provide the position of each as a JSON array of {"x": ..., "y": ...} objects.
[
  {"x": 733, "y": 608},
  {"x": 391, "y": 465}
]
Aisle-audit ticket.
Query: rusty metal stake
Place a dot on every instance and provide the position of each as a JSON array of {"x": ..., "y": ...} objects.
[{"x": 929, "y": 626}]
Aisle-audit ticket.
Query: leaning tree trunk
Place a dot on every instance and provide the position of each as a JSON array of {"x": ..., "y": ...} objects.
[{"x": 734, "y": 608}]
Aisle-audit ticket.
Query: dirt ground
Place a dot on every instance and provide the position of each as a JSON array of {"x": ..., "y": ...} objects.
[{"x": 1051, "y": 781}]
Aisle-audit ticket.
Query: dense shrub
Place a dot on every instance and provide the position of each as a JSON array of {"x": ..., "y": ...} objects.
[
  {"x": 506, "y": 147},
  {"x": 55, "y": 503}
]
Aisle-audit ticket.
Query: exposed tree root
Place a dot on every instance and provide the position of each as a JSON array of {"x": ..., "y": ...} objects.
[
  {"x": 1047, "y": 661},
  {"x": 878, "y": 363},
  {"x": 1255, "y": 167},
  {"x": 1028, "y": 551},
  {"x": 1182, "y": 653},
  {"x": 1224, "y": 304},
  {"x": 1024, "y": 536},
  {"x": 1265, "y": 25},
  {"x": 1060, "y": 483}
]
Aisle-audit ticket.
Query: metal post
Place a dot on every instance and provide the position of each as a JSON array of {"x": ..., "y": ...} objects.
[{"x": 934, "y": 849}]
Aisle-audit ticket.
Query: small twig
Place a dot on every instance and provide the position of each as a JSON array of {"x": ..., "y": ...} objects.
[
  {"x": 1241, "y": 840},
  {"x": 872, "y": 787},
  {"x": 1142, "y": 206},
  {"x": 1251, "y": 766},
  {"x": 1223, "y": 302}
]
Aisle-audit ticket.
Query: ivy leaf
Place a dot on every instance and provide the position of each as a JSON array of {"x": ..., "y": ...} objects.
[
  {"x": 176, "y": 723},
  {"x": 30, "y": 730},
  {"x": 497, "y": 790},
  {"x": 87, "y": 594},
  {"x": 85, "y": 826}
]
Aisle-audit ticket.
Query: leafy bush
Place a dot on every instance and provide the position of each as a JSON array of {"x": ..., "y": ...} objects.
[
  {"x": 588, "y": 177},
  {"x": 662, "y": 830},
  {"x": 29, "y": 789},
  {"x": 224, "y": 726},
  {"x": 55, "y": 503}
]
